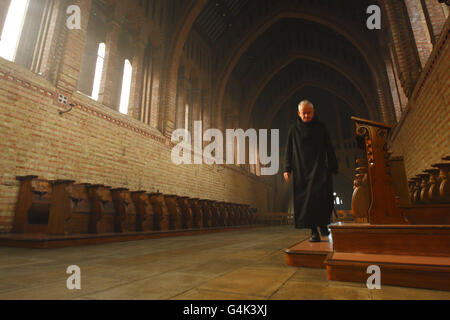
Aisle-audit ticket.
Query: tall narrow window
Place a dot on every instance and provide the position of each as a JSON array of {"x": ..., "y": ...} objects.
[
  {"x": 186, "y": 117},
  {"x": 12, "y": 29},
  {"x": 186, "y": 123},
  {"x": 126, "y": 86},
  {"x": 98, "y": 70}
]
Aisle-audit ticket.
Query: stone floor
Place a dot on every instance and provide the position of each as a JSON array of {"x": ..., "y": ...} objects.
[{"x": 221, "y": 266}]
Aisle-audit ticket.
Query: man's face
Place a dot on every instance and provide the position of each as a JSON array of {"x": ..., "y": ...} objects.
[{"x": 306, "y": 113}]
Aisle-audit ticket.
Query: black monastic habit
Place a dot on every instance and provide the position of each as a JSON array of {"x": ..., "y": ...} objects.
[{"x": 311, "y": 159}]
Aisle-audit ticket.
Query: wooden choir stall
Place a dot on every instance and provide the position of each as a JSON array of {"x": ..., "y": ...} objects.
[
  {"x": 59, "y": 213},
  {"x": 401, "y": 226}
]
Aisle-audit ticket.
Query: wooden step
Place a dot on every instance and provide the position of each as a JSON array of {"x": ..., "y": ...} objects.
[
  {"x": 414, "y": 240},
  {"x": 309, "y": 254},
  {"x": 399, "y": 270}
]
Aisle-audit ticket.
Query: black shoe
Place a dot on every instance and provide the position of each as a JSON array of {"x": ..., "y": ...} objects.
[
  {"x": 314, "y": 238},
  {"x": 324, "y": 231}
]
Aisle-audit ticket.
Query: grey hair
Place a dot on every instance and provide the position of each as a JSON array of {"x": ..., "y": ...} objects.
[{"x": 304, "y": 102}]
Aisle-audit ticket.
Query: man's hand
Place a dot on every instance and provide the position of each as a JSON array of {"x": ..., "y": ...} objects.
[{"x": 287, "y": 176}]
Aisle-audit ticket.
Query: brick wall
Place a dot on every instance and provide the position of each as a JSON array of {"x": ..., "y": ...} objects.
[
  {"x": 95, "y": 144},
  {"x": 422, "y": 136},
  {"x": 419, "y": 29}
]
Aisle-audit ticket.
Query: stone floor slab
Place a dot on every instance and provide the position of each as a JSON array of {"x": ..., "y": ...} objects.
[
  {"x": 311, "y": 275},
  {"x": 233, "y": 266},
  {"x": 164, "y": 286},
  {"x": 399, "y": 293},
  {"x": 199, "y": 294},
  {"x": 58, "y": 290},
  {"x": 300, "y": 290},
  {"x": 262, "y": 282}
]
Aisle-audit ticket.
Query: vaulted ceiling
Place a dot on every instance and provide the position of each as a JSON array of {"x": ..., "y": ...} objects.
[{"x": 277, "y": 50}]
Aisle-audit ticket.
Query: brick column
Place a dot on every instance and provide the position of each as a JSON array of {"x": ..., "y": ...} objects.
[
  {"x": 229, "y": 120},
  {"x": 146, "y": 97},
  {"x": 137, "y": 64},
  {"x": 196, "y": 104},
  {"x": 419, "y": 28},
  {"x": 216, "y": 114},
  {"x": 258, "y": 164},
  {"x": 4, "y": 6},
  {"x": 156, "y": 117},
  {"x": 408, "y": 61},
  {"x": 54, "y": 46},
  {"x": 87, "y": 72},
  {"x": 181, "y": 102},
  {"x": 221, "y": 114},
  {"x": 435, "y": 15},
  {"x": 385, "y": 100},
  {"x": 70, "y": 54},
  {"x": 206, "y": 114},
  {"x": 234, "y": 125},
  {"x": 109, "y": 83},
  {"x": 395, "y": 68},
  {"x": 226, "y": 143}
]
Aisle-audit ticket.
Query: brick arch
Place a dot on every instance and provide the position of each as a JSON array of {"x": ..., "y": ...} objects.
[
  {"x": 290, "y": 59},
  {"x": 329, "y": 22},
  {"x": 284, "y": 96},
  {"x": 172, "y": 61}
]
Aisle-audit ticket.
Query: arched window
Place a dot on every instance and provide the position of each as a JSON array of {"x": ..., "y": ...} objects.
[
  {"x": 126, "y": 86},
  {"x": 186, "y": 117},
  {"x": 27, "y": 34},
  {"x": 12, "y": 29},
  {"x": 98, "y": 70}
]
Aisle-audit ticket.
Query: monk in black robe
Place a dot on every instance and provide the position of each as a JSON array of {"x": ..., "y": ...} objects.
[{"x": 311, "y": 160}]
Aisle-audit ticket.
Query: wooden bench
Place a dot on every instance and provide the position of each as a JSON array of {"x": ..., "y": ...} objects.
[
  {"x": 70, "y": 209},
  {"x": 144, "y": 211},
  {"x": 63, "y": 207},
  {"x": 33, "y": 205}
]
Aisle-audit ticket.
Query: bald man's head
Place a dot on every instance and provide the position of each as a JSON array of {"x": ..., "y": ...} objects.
[{"x": 306, "y": 111}]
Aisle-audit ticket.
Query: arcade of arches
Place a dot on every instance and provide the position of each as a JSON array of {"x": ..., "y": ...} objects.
[{"x": 229, "y": 63}]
